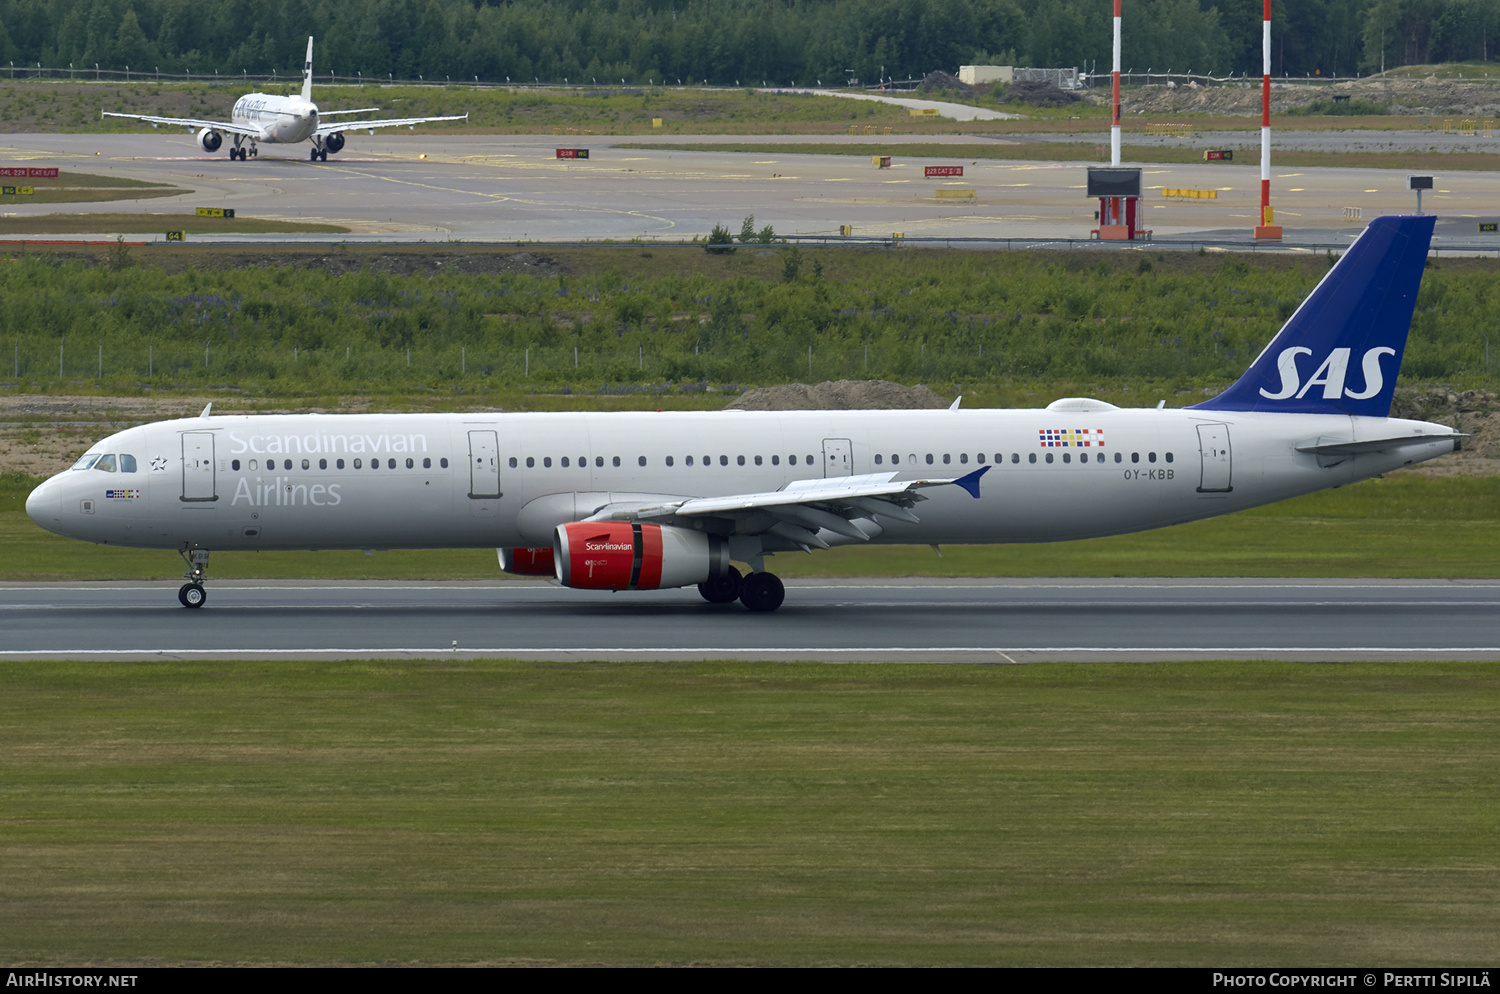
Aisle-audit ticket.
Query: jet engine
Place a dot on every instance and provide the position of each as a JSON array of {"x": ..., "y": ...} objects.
[
  {"x": 334, "y": 142},
  {"x": 527, "y": 562},
  {"x": 618, "y": 555},
  {"x": 210, "y": 140}
]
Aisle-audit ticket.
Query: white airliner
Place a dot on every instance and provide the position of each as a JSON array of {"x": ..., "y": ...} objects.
[
  {"x": 278, "y": 120},
  {"x": 646, "y": 501}
]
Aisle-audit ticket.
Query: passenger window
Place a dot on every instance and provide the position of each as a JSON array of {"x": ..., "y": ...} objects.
[
  {"x": 979, "y": 458},
  {"x": 963, "y": 458},
  {"x": 1135, "y": 457},
  {"x": 791, "y": 460},
  {"x": 339, "y": 464},
  {"x": 358, "y": 464},
  {"x": 1067, "y": 457},
  {"x": 1031, "y": 458},
  {"x": 929, "y": 458},
  {"x": 1151, "y": 457},
  {"x": 1083, "y": 457},
  {"x": 895, "y": 459},
  {"x": 947, "y": 459},
  {"x": 740, "y": 460},
  {"x": 878, "y": 458},
  {"x": 127, "y": 463},
  {"x": 443, "y": 462},
  {"x": 564, "y": 462},
  {"x": 809, "y": 460},
  {"x": 640, "y": 460},
  {"x": 669, "y": 460},
  {"x": 374, "y": 463},
  {"x": 426, "y": 462},
  {"x": 512, "y": 462},
  {"x": 307, "y": 464},
  {"x": 234, "y": 464},
  {"x": 530, "y": 462},
  {"x": 106, "y": 463},
  {"x": 616, "y": 460},
  {"x": 547, "y": 461},
  {"x": 1049, "y": 457},
  {"x": 1169, "y": 457},
  {"x": 775, "y": 460},
  {"x": 723, "y": 460},
  {"x": 389, "y": 464},
  {"x": 322, "y": 463},
  {"x": 757, "y": 460},
  {"x": 411, "y": 464},
  {"x": 599, "y": 462},
  {"x": 689, "y": 460},
  {"x": 1119, "y": 457}
]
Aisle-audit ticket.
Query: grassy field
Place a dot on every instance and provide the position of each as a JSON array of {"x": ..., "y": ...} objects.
[
  {"x": 1403, "y": 526},
  {"x": 69, "y": 187},
  {"x": 374, "y": 812},
  {"x": 157, "y": 224}
]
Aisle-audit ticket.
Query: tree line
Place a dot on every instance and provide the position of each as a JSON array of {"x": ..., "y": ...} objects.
[{"x": 730, "y": 42}]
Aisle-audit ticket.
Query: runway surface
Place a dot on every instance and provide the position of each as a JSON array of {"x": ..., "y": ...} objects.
[
  {"x": 503, "y": 188},
  {"x": 947, "y": 621}
]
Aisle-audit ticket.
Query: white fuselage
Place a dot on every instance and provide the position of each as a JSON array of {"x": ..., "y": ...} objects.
[
  {"x": 506, "y": 480},
  {"x": 281, "y": 120}
]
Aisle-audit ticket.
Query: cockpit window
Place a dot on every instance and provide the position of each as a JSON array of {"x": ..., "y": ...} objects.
[
  {"x": 127, "y": 463},
  {"x": 106, "y": 463},
  {"x": 87, "y": 460}
]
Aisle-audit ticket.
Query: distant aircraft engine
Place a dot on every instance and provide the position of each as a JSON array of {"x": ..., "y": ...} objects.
[
  {"x": 210, "y": 140},
  {"x": 617, "y": 555},
  {"x": 527, "y": 562},
  {"x": 334, "y": 142}
]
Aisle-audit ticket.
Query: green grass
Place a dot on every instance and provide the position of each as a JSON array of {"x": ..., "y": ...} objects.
[
  {"x": 1223, "y": 814},
  {"x": 135, "y": 223},
  {"x": 1403, "y": 526}
]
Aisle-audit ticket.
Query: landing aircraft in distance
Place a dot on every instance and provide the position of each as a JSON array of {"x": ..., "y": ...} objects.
[
  {"x": 640, "y": 501},
  {"x": 278, "y": 120}
]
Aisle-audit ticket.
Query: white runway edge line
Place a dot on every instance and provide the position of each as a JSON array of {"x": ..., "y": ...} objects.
[{"x": 1210, "y": 651}]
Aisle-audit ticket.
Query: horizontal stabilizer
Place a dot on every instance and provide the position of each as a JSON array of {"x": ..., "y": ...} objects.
[{"x": 1377, "y": 444}]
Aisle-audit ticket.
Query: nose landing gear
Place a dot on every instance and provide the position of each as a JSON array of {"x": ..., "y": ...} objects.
[{"x": 192, "y": 594}]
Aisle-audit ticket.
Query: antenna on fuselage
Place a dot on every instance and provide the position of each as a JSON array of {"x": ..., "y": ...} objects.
[{"x": 206, "y": 408}]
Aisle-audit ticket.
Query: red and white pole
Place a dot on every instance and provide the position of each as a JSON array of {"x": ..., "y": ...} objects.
[
  {"x": 1266, "y": 228},
  {"x": 1114, "y": 128}
]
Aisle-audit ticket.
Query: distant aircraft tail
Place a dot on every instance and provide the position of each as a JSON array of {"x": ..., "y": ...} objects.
[
  {"x": 307, "y": 73},
  {"x": 1340, "y": 352}
]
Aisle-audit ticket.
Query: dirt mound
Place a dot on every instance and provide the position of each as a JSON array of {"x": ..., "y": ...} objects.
[
  {"x": 1404, "y": 96},
  {"x": 1475, "y": 412},
  {"x": 1039, "y": 93},
  {"x": 844, "y": 395},
  {"x": 943, "y": 81}
]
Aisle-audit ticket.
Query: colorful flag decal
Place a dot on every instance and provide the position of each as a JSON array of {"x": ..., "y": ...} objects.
[{"x": 1071, "y": 438}]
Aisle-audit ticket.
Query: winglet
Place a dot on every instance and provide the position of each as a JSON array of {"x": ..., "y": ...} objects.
[{"x": 970, "y": 482}]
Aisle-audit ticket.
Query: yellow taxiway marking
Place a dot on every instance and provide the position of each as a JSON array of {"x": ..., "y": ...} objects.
[
  {"x": 895, "y": 181},
  {"x": 1297, "y": 189},
  {"x": 838, "y": 179},
  {"x": 1287, "y": 175},
  {"x": 766, "y": 162},
  {"x": 1372, "y": 191}
]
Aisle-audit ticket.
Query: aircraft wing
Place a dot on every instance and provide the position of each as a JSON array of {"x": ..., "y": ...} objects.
[
  {"x": 191, "y": 122},
  {"x": 399, "y": 122},
  {"x": 803, "y": 508}
]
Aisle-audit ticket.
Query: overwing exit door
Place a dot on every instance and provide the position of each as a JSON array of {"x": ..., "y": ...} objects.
[
  {"x": 484, "y": 465},
  {"x": 836, "y": 458}
]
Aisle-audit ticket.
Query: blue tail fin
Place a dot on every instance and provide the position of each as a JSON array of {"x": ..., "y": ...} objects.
[{"x": 1340, "y": 351}]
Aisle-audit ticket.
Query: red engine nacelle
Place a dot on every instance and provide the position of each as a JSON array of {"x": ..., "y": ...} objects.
[
  {"x": 615, "y": 555},
  {"x": 527, "y": 562},
  {"x": 210, "y": 140}
]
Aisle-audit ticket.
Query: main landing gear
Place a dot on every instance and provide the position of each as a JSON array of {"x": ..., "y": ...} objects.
[
  {"x": 318, "y": 154},
  {"x": 758, "y": 591},
  {"x": 238, "y": 152},
  {"x": 192, "y": 594}
]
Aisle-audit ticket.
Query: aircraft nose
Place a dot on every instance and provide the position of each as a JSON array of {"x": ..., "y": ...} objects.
[{"x": 44, "y": 506}]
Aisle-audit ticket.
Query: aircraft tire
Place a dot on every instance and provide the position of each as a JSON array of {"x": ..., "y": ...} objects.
[
  {"x": 323, "y": 156},
  {"x": 314, "y": 156},
  {"x": 722, "y": 589},
  {"x": 192, "y": 595},
  {"x": 762, "y": 592}
]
